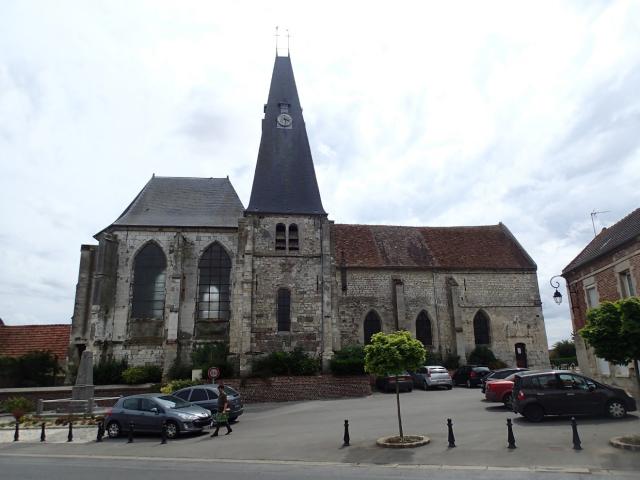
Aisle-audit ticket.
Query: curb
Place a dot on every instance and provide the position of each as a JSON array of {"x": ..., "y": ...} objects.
[
  {"x": 386, "y": 443},
  {"x": 619, "y": 442}
]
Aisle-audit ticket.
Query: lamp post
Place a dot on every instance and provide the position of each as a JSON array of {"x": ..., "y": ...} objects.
[{"x": 557, "y": 296}]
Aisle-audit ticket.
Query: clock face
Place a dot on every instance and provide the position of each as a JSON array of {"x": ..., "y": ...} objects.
[{"x": 284, "y": 120}]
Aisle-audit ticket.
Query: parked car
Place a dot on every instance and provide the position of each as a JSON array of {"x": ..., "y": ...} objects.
[
  {"x": 387, "y": 383},
  {"x": 148, "y": 411},
  {"x": 431, "y": 376},
  {"x": 206, "y": 396},
  {"x": 558, "y": 392},
  {"x": 470, "y": 375},
  {"x": 500, "y": 374},
  {"x": 500, "y": 390}
]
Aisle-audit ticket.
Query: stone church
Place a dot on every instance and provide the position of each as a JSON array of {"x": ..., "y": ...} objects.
[{"x": 186, "y": 263}]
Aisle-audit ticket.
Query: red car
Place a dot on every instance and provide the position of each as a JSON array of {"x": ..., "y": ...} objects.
[{"x": 500, "y": 390}]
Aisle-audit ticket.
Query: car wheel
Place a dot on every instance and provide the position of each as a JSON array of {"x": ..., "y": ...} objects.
[
  {"x": 468, "y": 383},
  {"x": 172, "y": 430},
  {"x": 533, "y": 413},
  {"x": 449, "y": 387},
  {"x": 616, "y": 409},
  {"x": 113, "y": 429},
  {"x": 410, "y": 389},
  {"x": 507, "y": 400},
  {"x": 425, "y": 385}
]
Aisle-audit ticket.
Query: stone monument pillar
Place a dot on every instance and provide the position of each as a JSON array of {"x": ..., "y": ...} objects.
[{"x": 84, "y": 389}]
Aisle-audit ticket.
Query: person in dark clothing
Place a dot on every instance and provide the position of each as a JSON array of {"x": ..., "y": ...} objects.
[{"x": 222, "y": 416}]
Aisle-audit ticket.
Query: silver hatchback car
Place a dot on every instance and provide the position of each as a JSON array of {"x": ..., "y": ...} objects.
[
  {"x": 148, "y": 411},
  {"x": 431, "y": 376}
]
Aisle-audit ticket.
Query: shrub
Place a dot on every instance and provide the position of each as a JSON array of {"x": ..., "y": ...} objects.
[
  {"x": 146, "y": 374},
  {"x": 451, "y": 361},
  {"x": 210, "y": 355},
  {"x": 348, "y": 361},
  {"x": 18, "y": 406},
  {"x": 481, "y": 356},
  {"x": 497, "y": 364},
  {"x": 33, "y": 369},
  {"x": 179, "y": 371},
  {"x": 109, "y": 372},
  {"x": 433, "y": 358},
  {"x": 293, "y": 363},
  {"x": 175, "y": 385}
]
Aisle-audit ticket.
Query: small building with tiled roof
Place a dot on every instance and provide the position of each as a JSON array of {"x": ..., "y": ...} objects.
[
  {"x": 18, "y": 340},
  {"x": 186, "y": 264},
  {"x": 608, "y": 268}
]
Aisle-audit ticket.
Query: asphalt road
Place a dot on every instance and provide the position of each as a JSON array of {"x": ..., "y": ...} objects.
[{"x": 312, "y": 432}]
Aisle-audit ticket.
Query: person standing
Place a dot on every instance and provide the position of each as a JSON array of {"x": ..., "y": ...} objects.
[{"x": 222, "y": 415}]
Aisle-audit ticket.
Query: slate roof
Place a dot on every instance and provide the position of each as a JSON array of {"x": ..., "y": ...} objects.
[
  {"x": 16, "y": 340},
  {"x": 285, "y": 179},
  {"x": 483, "y": 247},
  {"x": 608, "y": 240},
  {"x": 184, "y": 202}
]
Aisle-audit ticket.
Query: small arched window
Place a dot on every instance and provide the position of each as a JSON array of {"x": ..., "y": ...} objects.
[
  {"x": 293, "y": 237},
  {"x": 149, "y": 269},
  {"x": 481, "y": 329},
  {"x": 214, "y": 284},
  {"x": 423, "y": 329},
  {"x": 284, "y": 310},
  {"x": 372, "y": 325},
  {"x": 281, "y": 237}
]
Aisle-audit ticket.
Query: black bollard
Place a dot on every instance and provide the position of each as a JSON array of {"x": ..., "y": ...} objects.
[
  {"x": 452, "y": 439},
  {"x": 510, "y": 438},
  {"x": 577, "y": 444},
  {"x": 43, "y": 436},
  {"x": 346, "y": 434},
  {"x": 130, "y": 439},
  {"x": 100, "y": 431},
  {"x": 163, "y": 433},
  {"x": 16, "y": 435},
  {"x": 70, "y": 436}
]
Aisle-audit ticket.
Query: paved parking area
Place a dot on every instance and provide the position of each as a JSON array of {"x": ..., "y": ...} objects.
[{"x": 312, "y": 431}]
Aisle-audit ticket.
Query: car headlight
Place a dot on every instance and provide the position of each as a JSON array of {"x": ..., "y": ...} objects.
[{"x": 628, "y": 393}]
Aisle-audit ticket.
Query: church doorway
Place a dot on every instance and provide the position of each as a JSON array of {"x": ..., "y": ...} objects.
[
  {"x": 521, "y": 355},
  {"x": 372, "y": 325}
]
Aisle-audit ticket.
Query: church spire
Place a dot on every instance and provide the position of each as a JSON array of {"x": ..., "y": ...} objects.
[{"x": 285, "y": 180}]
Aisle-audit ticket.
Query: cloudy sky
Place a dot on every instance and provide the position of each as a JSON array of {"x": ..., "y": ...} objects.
[{"x": 427, "y": 113}]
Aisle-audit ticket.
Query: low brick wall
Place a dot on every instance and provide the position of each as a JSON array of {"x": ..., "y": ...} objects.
[
  {"x": 253, "y": 390},
  {"x": 285, "y": 389}
]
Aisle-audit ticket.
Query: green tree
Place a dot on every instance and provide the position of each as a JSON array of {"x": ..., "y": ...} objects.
[
  {"x": 613, "y": 330},
  {"x": 392, "y": 354}
]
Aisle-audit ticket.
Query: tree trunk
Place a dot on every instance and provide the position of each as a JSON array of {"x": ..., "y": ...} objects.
[
  {"x": 398, "y": 404},
  {"x": 636, "y": 364}
]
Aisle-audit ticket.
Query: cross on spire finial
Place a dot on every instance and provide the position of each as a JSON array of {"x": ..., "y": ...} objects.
[
  {"x": 277, "y": 35},
  {"x": 288, "y": 49}
]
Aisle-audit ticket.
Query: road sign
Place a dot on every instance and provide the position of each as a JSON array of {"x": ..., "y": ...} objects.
[{"x": 213, "y": 373}]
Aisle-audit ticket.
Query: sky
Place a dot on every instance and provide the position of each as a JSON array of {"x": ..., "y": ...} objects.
[{"x": 418, "y": 113}]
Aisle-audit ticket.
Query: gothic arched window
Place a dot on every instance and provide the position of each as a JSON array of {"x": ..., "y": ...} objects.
[
  {"x": 293, "y": 237},
  {"x": 481, "y": 329},
  {"x": 281, "y": 237},
  {"x": 423, "y": 329},
  {"x": 214, "y": 284},
  {"x": 372, "y": 325},
  {"x": 284, "y": 310},
  {"x": 149, "y": 268}
]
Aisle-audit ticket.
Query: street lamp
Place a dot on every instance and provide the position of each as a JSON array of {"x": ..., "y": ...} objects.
[{"x": 557, "y": 296}]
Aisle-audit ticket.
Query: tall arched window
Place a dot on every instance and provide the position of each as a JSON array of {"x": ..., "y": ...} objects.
[
  {"x": 214, "y": 285},
  {"x": 293, "y": 237},
  {"x": 372, "y": 325},
  {"x": 481, "y": 329},
  {"x": 423, "y": 329},
  {"x": 149, "y": 269},
  {"x": 284, "y": 310},
  {"x": 281, "y": 237}
]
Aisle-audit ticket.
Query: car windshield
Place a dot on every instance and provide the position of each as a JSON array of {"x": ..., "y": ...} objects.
[
  {"x": 438, "y": 370},
  {"x": 230, "y": 391},
  {"x": 511, "y": 377},
  {"x": 481, "y": 369},
  {"x": 170, "y": 401}
]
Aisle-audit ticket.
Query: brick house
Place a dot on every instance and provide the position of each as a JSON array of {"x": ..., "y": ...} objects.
[
  {"x": 186, "y": 263},
  {"x": 607, "y": 269},
  {"x": 17, "y": 340}
]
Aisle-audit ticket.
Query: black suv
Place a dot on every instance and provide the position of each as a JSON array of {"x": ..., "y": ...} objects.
[
  {"x": 536, "y": 394},
  {"x": 470, "y": 375}
]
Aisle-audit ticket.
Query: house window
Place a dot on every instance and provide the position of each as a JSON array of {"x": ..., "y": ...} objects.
[
  {"x": 481, "y": 329},
  {"x": 372, "y": 325},
  {"x": 293, "y": 237},
  {"x": 592, "y": 296},
  {"x": 281, "y": 237},
  {"x": 214, "y": 284},
  {"x": 148, "y": 283},
  {"x": 626, "y": 284},
  {"x": 423, "y": 329},
  {"x": 284, "y": 310}
]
